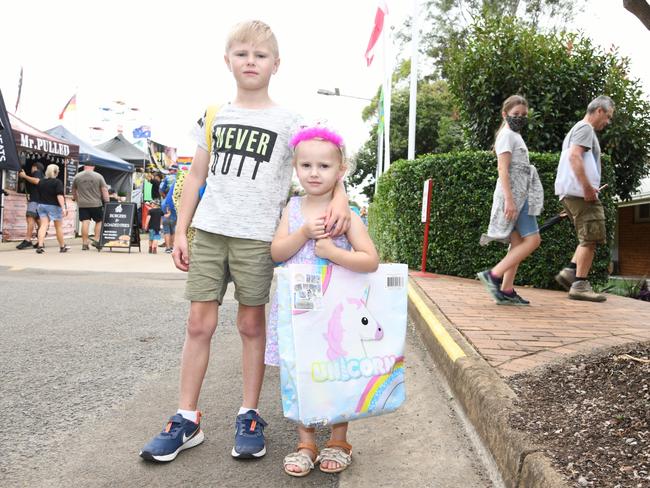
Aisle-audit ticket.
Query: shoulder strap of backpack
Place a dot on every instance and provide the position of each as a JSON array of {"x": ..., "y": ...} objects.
[{"x": 210, "y": 114}]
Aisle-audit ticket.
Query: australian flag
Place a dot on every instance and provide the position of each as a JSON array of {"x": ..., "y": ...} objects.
[{"x": 142, "y": 132}]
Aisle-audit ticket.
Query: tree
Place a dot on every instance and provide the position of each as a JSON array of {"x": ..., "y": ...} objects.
[
  {"x": 559, "y": 74},
  {"x": 437, "y": 129},
  {"x": 640, "y": 9}
]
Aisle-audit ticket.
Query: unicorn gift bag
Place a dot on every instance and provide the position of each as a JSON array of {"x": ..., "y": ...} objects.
[{"x": 341, "y": 341}]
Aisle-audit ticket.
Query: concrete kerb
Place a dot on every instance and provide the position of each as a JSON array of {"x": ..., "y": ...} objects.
[{"x": 486, "y": 399}]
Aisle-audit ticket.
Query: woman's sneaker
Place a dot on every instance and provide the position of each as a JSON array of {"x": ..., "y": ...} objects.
[
  {"x": 249, "y": 436},
  {"x": 40, "y": 250},
  {"x": 178, "y": 434},
  {"x": 491, "y": 285},
  {"x": 64, "y": 249},
  {"x": 513, "y": 299},
  {"x": 24, "y": 245}
]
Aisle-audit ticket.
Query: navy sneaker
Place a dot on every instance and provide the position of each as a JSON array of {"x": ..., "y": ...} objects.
[
  {"x": 513, "y": 299},
  {"x": 178, "y": 434},
  {"x": 493, "y": 286},
  {"x": 249, "y": 436}
]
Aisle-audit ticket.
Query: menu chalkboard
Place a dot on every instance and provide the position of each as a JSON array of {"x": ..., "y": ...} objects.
[
  {"x": 119, "y": 227},
  {"x": 70, "y": 173}
]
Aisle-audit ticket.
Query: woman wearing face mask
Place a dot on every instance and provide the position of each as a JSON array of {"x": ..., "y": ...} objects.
[{"x": 518, "y": 199}]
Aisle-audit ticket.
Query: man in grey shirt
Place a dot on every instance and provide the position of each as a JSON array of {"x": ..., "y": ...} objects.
[
  {"x": 577, "y": 185},
  {"x": 90, "y": 191}
]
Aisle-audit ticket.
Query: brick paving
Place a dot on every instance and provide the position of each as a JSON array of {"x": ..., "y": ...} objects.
[{"x": 515, "y": 339}]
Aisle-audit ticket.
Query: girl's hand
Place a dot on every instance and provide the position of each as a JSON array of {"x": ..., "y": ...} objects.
[
  {"x": 323, "y": 248},
  {"x": 315, "y": 229},
  {"x": 509, "y": 209}
]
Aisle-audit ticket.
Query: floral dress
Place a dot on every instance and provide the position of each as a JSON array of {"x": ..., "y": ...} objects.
[{"x": 305, "y": 255}]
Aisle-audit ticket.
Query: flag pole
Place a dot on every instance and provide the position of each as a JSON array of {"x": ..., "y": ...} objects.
[
  {"x": 414, "y": 81},
  {"x": 388, "y": 78}
]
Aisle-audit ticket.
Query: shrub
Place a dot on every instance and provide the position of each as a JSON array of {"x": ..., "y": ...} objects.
[{"x": 463, "y": 185}]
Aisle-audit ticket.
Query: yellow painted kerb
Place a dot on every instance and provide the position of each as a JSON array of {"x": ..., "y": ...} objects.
[{"x": 452, "y": 349}]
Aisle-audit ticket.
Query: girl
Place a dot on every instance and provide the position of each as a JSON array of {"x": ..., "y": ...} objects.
[
  {"x": 319, "y": 160},
  {"x": 518, "y": 198}
]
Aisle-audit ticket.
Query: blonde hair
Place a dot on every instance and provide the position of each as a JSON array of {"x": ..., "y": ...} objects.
[
  {"x": 253, "y": 31},
  {"x": 52, "y": 171}
]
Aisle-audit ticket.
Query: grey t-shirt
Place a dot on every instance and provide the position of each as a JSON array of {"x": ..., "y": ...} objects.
[
  {"x": 89, "y": 186},
  {"x": 249, "y": 173},
  {"x": 583, "y": 134}
]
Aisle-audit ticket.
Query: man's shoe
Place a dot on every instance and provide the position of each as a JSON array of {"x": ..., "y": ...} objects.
[
  {"x": 40, "y": 250},
  {"x": 178, "y": 434},
  {"x": 85, "y": 247},
  {"x": 96, "y": 245},
  {"x": 249, "y": 436},
  {"x": 64, "y": 249},
  {"x": 24, "y": 245},
  {"x": 581, "y": 290},
  {"x": 566, "y": 278}
]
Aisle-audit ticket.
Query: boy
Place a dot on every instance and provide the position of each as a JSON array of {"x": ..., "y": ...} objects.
[
  {"x": 154, "y": 217},
  {"x": 247, "y": 170}
]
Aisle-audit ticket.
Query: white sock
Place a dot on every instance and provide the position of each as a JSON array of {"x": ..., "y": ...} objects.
[
  {"x": 191, "y": 415},
  {"x": 246, "y": 409}
]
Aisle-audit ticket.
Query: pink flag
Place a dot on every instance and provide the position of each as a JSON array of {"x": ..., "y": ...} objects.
[{"x": 382, "y": 10}]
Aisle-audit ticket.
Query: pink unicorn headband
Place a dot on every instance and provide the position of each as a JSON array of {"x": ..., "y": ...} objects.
[{"x": 316, "y": 132}]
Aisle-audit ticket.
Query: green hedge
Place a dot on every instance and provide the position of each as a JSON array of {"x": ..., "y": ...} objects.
[{"x": 463, "y": 184}]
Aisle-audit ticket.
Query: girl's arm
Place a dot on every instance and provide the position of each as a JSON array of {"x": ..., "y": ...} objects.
[
  {"x": 363, "y": 259},
  {"x": 504, "y": 160},
  {"x": 285, "y": 245}
]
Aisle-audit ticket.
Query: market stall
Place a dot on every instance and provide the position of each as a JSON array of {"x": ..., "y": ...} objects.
[{"x": 33, "y": 145}]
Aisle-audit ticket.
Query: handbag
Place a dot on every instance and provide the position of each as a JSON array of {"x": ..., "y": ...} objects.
[{"x": 341, "y": 341}]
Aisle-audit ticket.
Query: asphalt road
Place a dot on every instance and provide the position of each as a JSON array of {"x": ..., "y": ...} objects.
[{"x": 89, "y": 368}]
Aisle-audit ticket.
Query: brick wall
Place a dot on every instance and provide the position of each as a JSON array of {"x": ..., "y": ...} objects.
[
  {"x": 14, "y": 225},
  {"x": 633, "y": 244}
]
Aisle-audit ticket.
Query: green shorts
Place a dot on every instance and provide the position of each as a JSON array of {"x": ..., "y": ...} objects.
[
  {"x": 588, "y": 219},
  {"x": 216, "y": 259}
]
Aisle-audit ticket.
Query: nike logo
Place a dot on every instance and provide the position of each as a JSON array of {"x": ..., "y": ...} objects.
[{"x": 188, "y": 437}]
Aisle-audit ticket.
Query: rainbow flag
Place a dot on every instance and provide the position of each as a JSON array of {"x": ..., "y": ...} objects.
[{"x": 71, "y": 105}]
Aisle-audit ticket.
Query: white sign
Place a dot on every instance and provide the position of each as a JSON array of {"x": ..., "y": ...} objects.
[{"x": 425, "y": 200}]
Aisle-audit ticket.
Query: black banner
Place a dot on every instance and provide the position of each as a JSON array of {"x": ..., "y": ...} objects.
[
  {"x": 8, "y": 155},
  {"x": 119, "y": 227}
]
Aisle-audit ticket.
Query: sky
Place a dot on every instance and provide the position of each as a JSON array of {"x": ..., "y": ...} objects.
[{"x": 166, "y": 59}]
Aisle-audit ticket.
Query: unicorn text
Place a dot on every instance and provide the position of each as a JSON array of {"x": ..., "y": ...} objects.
[{"x": 344, "y": 369}]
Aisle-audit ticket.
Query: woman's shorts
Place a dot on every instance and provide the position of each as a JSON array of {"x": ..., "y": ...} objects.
[
  {"x": 526, "y": 224},
  {"x": 32, "y": 209},
  {"x": 154, "y": 235},
  {"x": 52, "y": 212},
  {"x": 169, "y": 226}
]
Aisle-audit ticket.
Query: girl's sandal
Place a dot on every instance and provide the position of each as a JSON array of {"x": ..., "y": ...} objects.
[
  {"x": 302, "y": 460},
  {"x": 336, "y": 451}
]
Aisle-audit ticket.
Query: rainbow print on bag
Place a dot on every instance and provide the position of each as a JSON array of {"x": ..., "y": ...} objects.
[{"x": 341, "y": 341}]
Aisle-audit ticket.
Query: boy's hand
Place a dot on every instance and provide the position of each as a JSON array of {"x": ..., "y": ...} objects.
[
  {"x": 315, "y": 229},
  {"x": 337, "y": 219},
  {"x": 324, "y": 248},
  {"x": 181, "y": 254}
]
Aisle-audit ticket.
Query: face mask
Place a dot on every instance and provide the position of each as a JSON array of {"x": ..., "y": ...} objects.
[{"x": 517, "y": 123}]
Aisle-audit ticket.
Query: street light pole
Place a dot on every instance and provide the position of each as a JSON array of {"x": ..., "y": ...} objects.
[{"x": 337, "y": 93}]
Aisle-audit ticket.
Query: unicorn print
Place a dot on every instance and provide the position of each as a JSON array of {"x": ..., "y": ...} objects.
[{"x": 350, "y": 325}]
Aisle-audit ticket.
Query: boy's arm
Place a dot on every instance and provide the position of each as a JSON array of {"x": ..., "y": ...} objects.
[
  {"x": 363, "y": 259},
  {"x": 187, "y": 206},
  {"x": 337, "y": 218}
]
